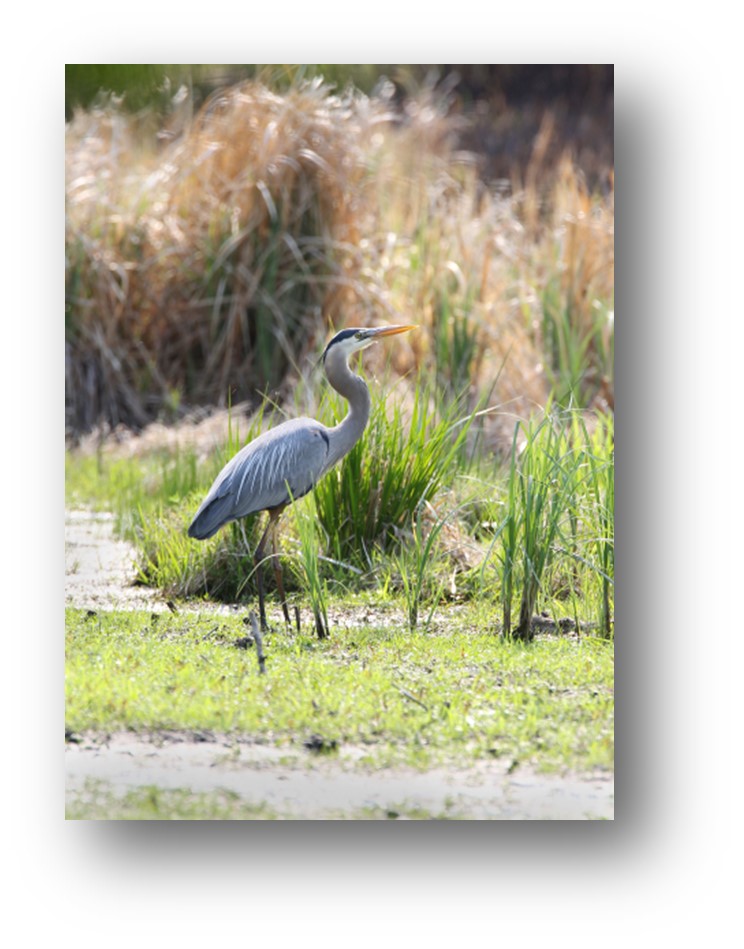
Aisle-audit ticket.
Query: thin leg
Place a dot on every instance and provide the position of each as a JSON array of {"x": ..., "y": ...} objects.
[
  {"x": 278, "y": 575},
  {"x": 258, "y": 560}
]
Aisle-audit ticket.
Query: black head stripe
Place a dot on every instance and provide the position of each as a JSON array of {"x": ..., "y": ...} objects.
[{"x": 344, "y": 334}]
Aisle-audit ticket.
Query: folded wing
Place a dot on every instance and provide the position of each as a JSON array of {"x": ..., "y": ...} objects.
[{"x": 281, "y": 465}]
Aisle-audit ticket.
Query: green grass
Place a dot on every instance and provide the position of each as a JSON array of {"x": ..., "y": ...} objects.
[
  {"x": 554, "y": 534},
  {"x": 420, "y": 568},
  {"x": 579, "y": 351},
  {"x": 414, "y": 671},
  {"x": 308, "y": 559},
  {"x": 541, "y": 527},
  {"x": 454, "y": 694},
  {"x": 97, "y": 800},
  {"x": 398, "y": 464}
]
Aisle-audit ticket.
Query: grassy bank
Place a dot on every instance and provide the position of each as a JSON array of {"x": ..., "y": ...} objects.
[
  {"x": 455, "y": 694},
  {"x": 409, "y": 512}
]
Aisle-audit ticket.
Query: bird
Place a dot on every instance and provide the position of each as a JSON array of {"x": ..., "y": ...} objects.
[{"x": 284, "y": 463}]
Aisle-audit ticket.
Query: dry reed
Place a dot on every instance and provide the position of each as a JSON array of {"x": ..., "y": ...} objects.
[{"x": 201, "y": 271}]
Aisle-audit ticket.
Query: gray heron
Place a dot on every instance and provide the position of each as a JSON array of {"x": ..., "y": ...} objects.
[{"x": 284, "y": 463}]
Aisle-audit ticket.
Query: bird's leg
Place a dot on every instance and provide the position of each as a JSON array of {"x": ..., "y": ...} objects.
[
  {"x": 278, "y": 576},
  {"x": 258, "y": 560},
  {"x": 320, "y": 625},
  {"x": 278, "y": 572}
]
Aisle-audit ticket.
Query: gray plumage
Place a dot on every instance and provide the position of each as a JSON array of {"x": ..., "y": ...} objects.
[
  {"x": 288, "y": 458},
  {"x": 283, "y": 464}
]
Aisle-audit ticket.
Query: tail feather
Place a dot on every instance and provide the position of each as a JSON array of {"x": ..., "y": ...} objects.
[{"x": 210, "y": 518}]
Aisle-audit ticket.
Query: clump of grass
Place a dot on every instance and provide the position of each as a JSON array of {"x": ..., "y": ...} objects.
[
  {"x": 580, "y": 352},
  {"x": 400, "y": 463},
  {"x": 314, "y": 584},
  {"x": 545, "y": 479},
  {"x": 419, "y": 567},
  {"x": 598, "y": 509},
  {"x": 557, "y": 510}
]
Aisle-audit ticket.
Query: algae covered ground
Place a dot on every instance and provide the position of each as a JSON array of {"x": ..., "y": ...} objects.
[{"x": 168, "y": 716}]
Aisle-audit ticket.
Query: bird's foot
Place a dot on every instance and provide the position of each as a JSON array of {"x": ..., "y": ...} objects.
[{"x": 267, "y": 627}]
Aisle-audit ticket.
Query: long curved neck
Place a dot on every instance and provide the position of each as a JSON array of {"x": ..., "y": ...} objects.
[{"x": 354, "y": 389}]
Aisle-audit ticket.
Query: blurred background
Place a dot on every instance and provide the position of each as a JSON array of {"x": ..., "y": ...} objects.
[
  {"x": 504, "y": 105},
  {"x": 222, "y": 220}
]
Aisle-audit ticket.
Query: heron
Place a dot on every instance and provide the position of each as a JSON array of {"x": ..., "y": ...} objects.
[{"x": 284, "y": 463}]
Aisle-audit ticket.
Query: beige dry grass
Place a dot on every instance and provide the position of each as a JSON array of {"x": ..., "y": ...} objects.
[{"x": 202, "y": 271}]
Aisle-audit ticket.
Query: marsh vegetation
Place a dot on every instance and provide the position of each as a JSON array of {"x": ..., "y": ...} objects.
[{"x": 205, "y": 270}]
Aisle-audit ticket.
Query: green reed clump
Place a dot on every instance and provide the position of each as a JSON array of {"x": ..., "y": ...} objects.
[
  {"x": 421, "y": 562},
  {"x": 308, "y": 561},
  {"x": 544, "y": 486},
  {"x": 401, "y": 461},
  {"x": 598, "y": 510},
  {"x": 580, "y": 353},
  {"x": 555, "y": 532}
]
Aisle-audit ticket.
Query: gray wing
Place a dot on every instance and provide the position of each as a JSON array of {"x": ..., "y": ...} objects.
[{"x": 288, "y": 458}]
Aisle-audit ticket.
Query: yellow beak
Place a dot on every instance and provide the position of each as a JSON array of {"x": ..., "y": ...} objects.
[{"x": 378, "y": 331}]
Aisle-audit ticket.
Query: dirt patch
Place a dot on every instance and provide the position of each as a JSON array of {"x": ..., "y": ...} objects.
[
  {"x": 101, "y": 573},
  {"x": 101, "y": 570},
  {"x": 295, "y": 784}
]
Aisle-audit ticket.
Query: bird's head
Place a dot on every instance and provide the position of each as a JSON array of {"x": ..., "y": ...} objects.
[{"x": 351, "y": 341}]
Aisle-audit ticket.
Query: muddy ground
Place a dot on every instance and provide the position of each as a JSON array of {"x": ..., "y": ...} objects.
[{"x": 99, "y": 575}]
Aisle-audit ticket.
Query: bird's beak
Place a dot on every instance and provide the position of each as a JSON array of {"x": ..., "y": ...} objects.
[{"x": 378, "y": 331}]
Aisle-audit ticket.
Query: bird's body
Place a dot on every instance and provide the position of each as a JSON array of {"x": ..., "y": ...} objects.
[
  {"x": 277, "y": 467},
  {"x": 284, "y": 463}
]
